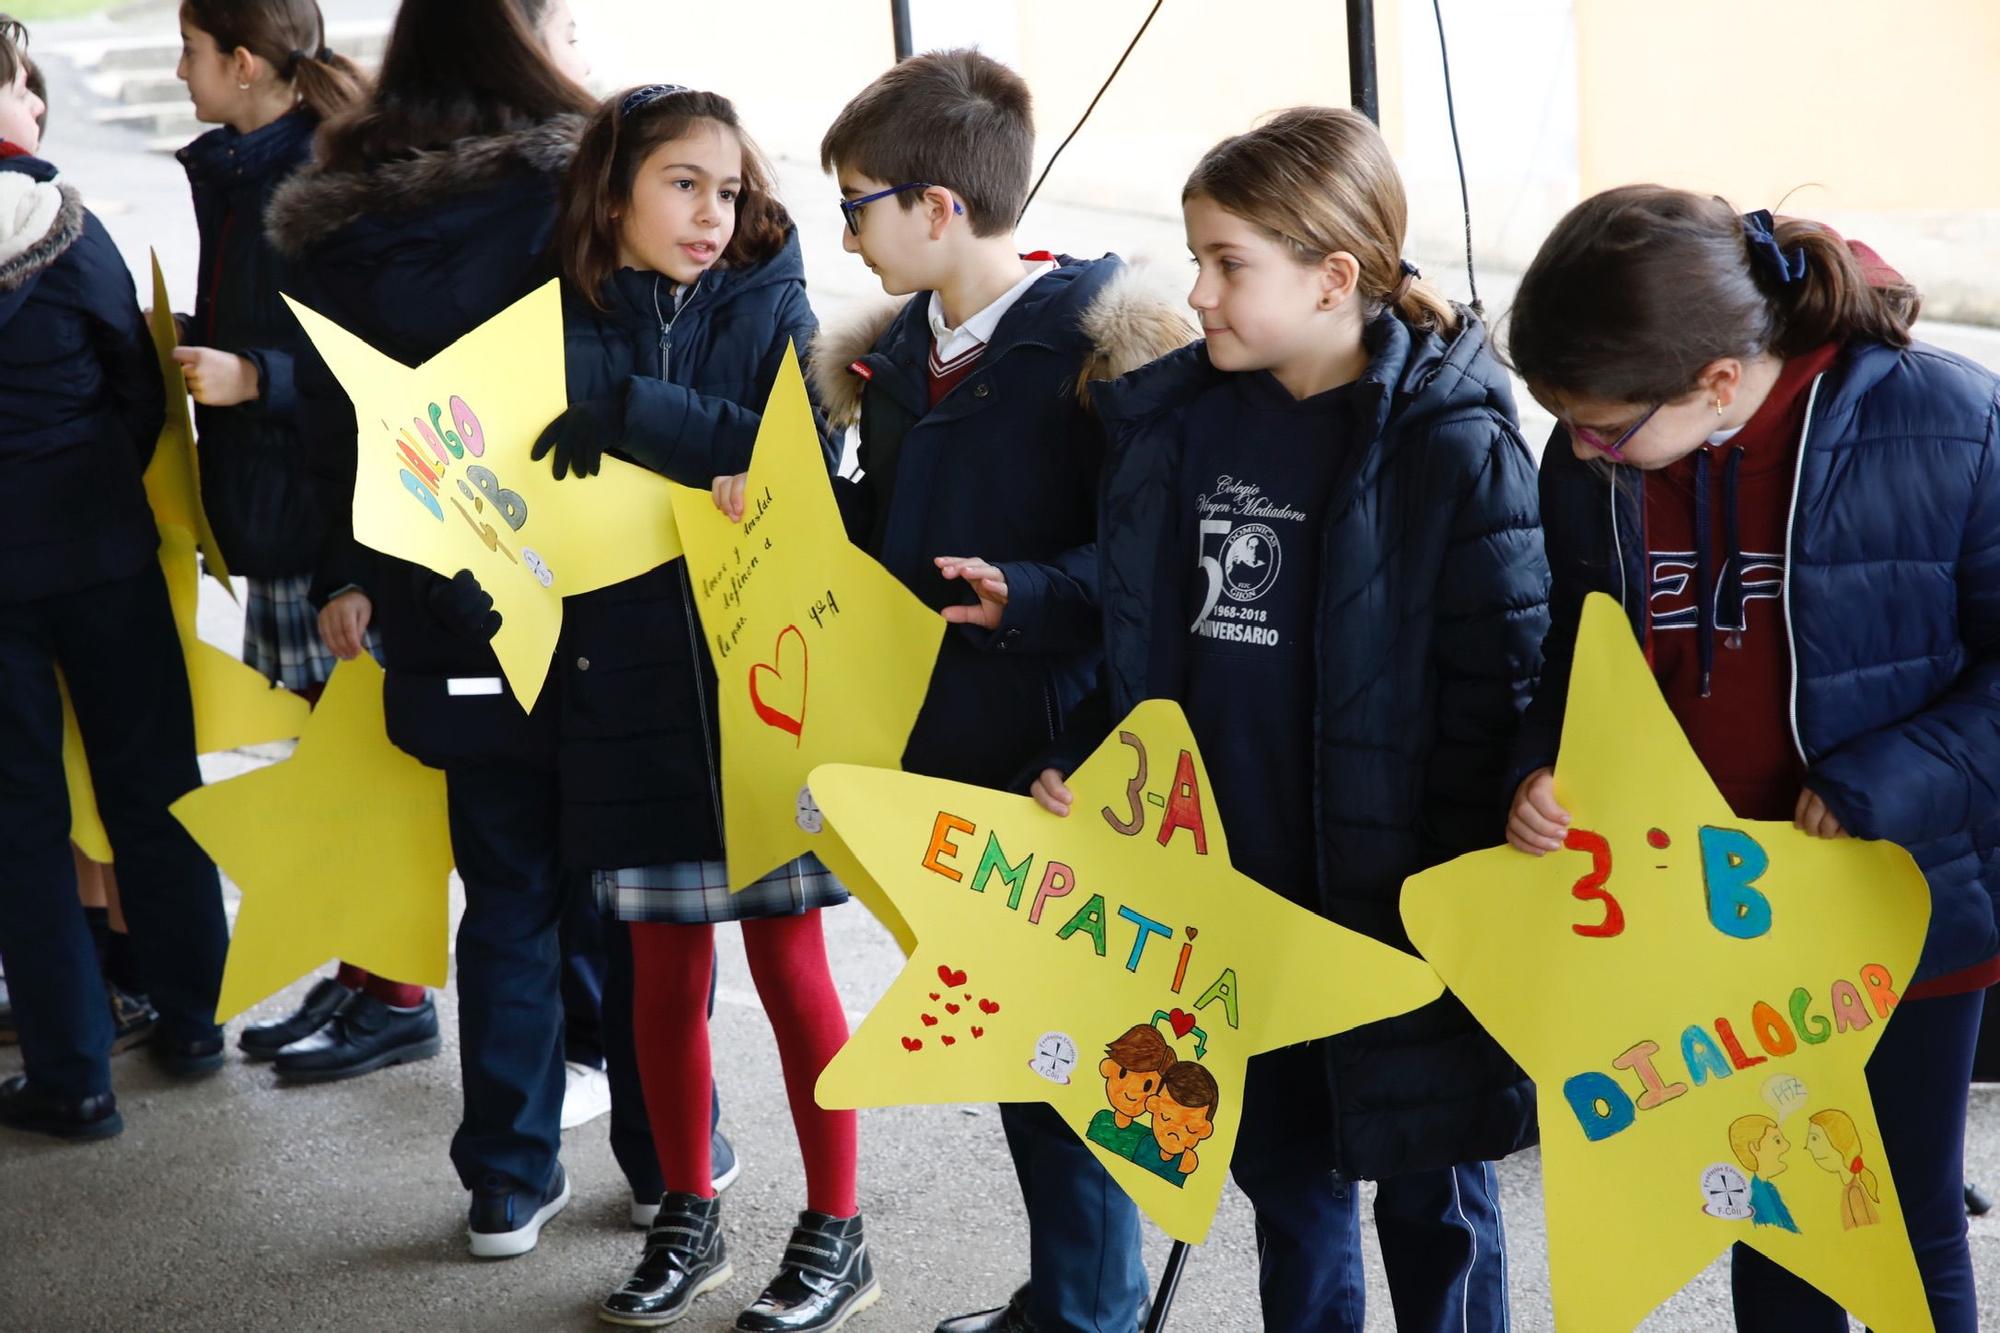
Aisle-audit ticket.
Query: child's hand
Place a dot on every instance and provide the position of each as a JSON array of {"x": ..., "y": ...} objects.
[
  {"x": 217, "y": 379},
  {"x": 343, "y": 623},
  {"x": 1537, "y": 824},
  {"x": 986, "y": 580},
  {"x": 728, "y": 493},
  {"x": 1812, "y": 816},
  {"x": 1050, "y": 794}
]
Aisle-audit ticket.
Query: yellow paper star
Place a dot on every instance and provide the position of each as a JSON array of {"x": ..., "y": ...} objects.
[
  {"x": 821, "y": 655},
  {"x": 343, "y": 850},
  {"x": 173, "y": 478},
  {"x": 1057, "y": 959},
  {"x": 1695, "y": 996},
  {"x": 443, "y": 478}
]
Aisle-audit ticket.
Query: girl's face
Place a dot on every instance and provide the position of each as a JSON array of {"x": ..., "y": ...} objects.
[
  {"x": 211, "y": 75},
  {"x": 20, "y": 110},
  {"x": 558, "y": 34},
  {"x": 1647, "y": 436},
  {"x": 1823, "y": 1152},
  {"x": 1260, "y": 308},
  {"x": 682, "y": 213}
]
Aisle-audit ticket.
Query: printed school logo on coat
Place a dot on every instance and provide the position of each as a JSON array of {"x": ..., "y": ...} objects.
[
  {"x": 1241, "y": 555},
  {"x": 1671, "y": 590}
]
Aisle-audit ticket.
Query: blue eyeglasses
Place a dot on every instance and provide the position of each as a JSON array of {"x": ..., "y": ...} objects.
[{"x": 851, "y": 208}]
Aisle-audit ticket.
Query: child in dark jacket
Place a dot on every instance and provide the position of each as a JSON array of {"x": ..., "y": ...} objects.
[
  {"x": 979, "y": 463},
  {"x": 684, "y": 293},
  {"x": 80, "y": 413},
  {"x": 1830, "y": 639}
]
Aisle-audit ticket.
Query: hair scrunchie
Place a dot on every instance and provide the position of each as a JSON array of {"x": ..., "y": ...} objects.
[
  {"x": 1782, "y": 267},
  {"x": 1854, "y": 1166},
  {"x": 1402, "y": 287}
]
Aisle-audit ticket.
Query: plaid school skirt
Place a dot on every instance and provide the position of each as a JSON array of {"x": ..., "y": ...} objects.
[
  {"x": 281, "y": 633},
  {"x": 694, "y": 893}
]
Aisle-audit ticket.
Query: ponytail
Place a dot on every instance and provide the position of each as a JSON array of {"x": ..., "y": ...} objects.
[
  {"x": 328, "y": 83},
  {"x": 1866, "y": 1177},
  {"x": 290, "y": 36},
  {"x": 1835, "y": 302}
]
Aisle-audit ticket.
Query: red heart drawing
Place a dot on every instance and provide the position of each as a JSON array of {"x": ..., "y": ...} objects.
[
  {"x": 1191, "y": 931},
  {"x": 949, "y": 977},
  {"x": 989, "y": 1006},
  {"x": 949, "y": 1041},
  {"x": 978, "y": 1032},
  {"x": 934, "y": 995},
  {"x": 951, "y": 1008},
  {"x": 1183, "y": 1022},
  {"x": 968, "y": 996},
  {"x": 768, "y": 714},
  {"x": 930, "y": 1020},
  {"x": 912, "y": 1044}
]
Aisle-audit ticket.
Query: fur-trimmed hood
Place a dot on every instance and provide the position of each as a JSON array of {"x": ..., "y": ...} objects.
[
  {"x": 1135, "y": 319},
  {"x": 39, "y": 220},
  {"x": 317, "y": 204}
]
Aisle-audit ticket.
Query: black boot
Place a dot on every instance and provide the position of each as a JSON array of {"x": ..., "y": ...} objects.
[
  {"x": 263, "y": 1041},
  {"x": 1009, "y": 1318},
  {"x": 364, "y": 1036},
  {"x": 27, "y": 1108},
  {"x": 825, "y": 1280},
  {"x": 684, "y": 1257}
]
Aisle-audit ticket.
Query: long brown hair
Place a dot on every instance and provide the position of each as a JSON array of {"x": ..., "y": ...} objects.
[
  {"x": 1638, "y": 288},
  {"x": 453, "y": 69},
  {"x": 1321, "y": 180},
  {"x": 290, "y": 36},
  {"x": 615, "y": 145}
]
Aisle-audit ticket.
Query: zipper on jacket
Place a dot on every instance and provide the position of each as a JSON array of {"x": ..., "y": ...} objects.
[
  {"x": 708, "y": 749},
  {"x": 1791, "y": 554},
  {"x": 666, "y": 324}
]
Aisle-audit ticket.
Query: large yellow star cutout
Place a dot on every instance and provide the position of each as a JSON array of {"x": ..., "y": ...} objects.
[
  {"x": 1695, "y": 996},
  {"x": 821, "y": 655},
  {"x": 1110, "y": 963},
  {"x": 343, "y": 851},
  {"x": 443, "y": 479}
]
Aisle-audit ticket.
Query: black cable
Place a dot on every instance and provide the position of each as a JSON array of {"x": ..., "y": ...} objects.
[
  {"x": 1464, "y": 193},
  {"x": 1092, "y": 107}
]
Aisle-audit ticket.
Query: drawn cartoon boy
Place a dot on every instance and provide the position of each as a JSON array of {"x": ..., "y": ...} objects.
[
  {"x": 1132, "y": 1068},
  {"x": 1761, "y": 1146},
  {"x": 1183, "y": 1112}
]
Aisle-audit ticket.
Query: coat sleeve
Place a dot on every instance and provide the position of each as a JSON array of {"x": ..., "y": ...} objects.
[
  {"x": 1052, "y": 605},
  {"x": 121, "y": 339},
  {"x": 1492, "y": 614},
  {"x": 1937, "y": 772},
  {"x": 692, "y": 437},
  {"x": 1540, "y": 735},
  {"x": 277, "y": 392}
]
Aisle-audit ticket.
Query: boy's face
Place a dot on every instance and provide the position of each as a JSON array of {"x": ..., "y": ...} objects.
[
  {"x": 895, "y": 242},
  {"x": 1177, "y": 1128},
  {"x": 1770, "y": 1152},
  {"x": 20, "y": 110},
  {"x": 1127, "y": 1090}
]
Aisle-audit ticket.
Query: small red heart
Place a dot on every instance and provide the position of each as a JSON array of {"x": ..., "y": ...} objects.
[
  {"x": 989, "y": 1006},
  {"x": 951, "y": 1008},
  {"x": 930, "y": 1020},
  {"x": 949, "y": 977},
  {"x": 978, "y": 1032},
  {"x": 950, "y": 1041},
  {"x": 934, "y": 995},
  {"x": 1191, "y": 931},
  {"x": 1183, "y": 1022},
  {"x": 912, "y": 1044},
  {"x": 968, "y": 995}
]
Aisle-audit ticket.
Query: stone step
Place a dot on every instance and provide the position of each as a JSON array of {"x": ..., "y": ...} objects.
[
  {"x": 174, "y": 120},
  {"x": 361, "y": 42}
]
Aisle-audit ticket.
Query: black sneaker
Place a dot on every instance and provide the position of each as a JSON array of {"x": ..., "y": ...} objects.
[
  {"x": 504, "y": 1223},
  {"x": 724, "y": 1166},
  {"x": 684, "y": 1257},
  {"x": 825, "y": 1280},
  {"x": 263, "y": 1041},
  {"x": 187, "y": 1057},
  {"x": 1009, "y": 1318},
  {"x": 364, "y": 1036},
  {"x": 133, "y": 1018},
  {"x": 32, "y": 1111}
]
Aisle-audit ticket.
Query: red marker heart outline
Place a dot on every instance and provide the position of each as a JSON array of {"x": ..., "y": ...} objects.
[
  {"x": 949, "y": 977},
  {"x": 777, "y": 717},
  {"x": 912, "y": 1044},
  {"x": 989, "y": 1006},
  {"x": 934, "y": 995},
  {"x": 978, "y": 1033},
  {"x": 930, "y": 1020},
  {"x": 949, "y": 1040},
  {"x": 1183, "y": 1022},
  {"x": 951, "y": 1008}
]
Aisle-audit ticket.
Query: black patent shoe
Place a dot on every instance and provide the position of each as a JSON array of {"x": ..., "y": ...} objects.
[
  {"x": 684, "y": 1257},
  {"x": 263, "y": 1041},
  {"x": 825, "y": 1280},
  {"x": 365, "y": 1035},
  {"x": 187, "y": 1057},
  {"x": 1009, "y": 1318},
  {"x": 33, "y": 1111}
]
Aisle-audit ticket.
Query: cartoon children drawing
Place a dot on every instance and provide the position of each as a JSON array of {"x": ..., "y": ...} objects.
[
  {"x": 1132, "y": 1067},
  {"x": 1835, "y": 1144},
  {"x": 1183, "y": 1113},
  {"x": 1761, "y": 1146}
]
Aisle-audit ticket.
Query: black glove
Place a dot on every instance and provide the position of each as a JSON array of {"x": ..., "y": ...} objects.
[
  {"x": 462, "y": 606},
  {"x": 579, "y": 437}
]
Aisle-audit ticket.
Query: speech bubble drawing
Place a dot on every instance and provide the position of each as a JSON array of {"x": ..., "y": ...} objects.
[{"x": 1784, "y": 1094}]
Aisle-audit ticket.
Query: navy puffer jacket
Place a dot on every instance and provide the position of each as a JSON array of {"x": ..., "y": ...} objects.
[
  {"x": 1892, "y": 599},
  {"x": 1432, "y": 607}
]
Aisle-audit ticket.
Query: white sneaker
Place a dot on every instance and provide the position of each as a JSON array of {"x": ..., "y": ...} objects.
[{"x": 586, "y": 1094}]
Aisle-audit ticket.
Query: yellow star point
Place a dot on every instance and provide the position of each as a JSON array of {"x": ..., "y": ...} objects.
[
  {"x": 343, "y": 851},
  {"x": 1041, "y": 943},
  {"x": 1695, "y": 996}
]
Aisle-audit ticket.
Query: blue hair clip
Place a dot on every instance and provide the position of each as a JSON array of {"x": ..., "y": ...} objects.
[
  {"x": 651, "y": 93},
  {"x": 1781, "y": 266}
]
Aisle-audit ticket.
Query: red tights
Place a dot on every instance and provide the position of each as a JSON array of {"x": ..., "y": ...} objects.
[{"x": 670, "y": 966}]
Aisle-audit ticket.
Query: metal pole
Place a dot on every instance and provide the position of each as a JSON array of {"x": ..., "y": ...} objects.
[
  {"x": 1361, "y": 86},
  {"x": 1170, "y": 1282},
  {"x": 899, "y": 20}
]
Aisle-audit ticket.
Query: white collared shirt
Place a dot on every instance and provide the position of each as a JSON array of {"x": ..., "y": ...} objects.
[{"x": 949, "y": 345}]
